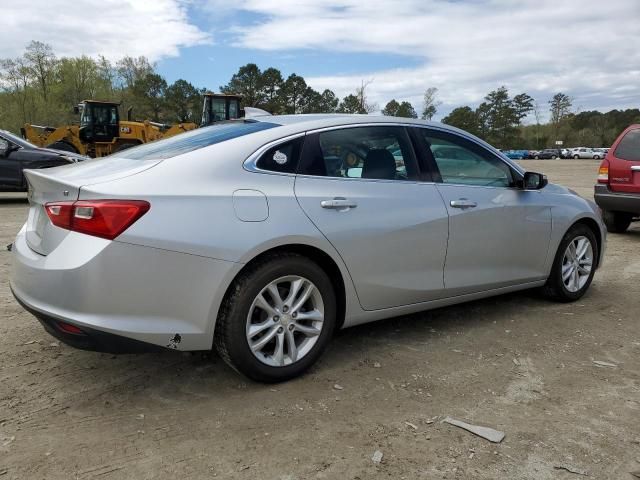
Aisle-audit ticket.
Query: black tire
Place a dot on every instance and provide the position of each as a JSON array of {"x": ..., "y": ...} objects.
[
  {"x": 555, "y": 288},
  {"x": 536, "y": 157},
  {"x": 576, "y": 157},
  {"x": 64, "y": 146},
  {"x": 230, "y": 332},
  {"x": 616, "y": 222},
  {"x": 125, "y": 146},
  {"x": 596, "y": 157},
  {"x": 553, "y": 157}
]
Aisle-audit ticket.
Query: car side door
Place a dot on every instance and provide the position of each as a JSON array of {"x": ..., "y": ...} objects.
[
  {"x": 10, "y": 165},
  {"x": 499, "y": 234},
  {"x": 359, "y": 185}
]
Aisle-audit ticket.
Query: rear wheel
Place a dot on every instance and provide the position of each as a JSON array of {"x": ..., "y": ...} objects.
[
  {"x": 536, "y": 157},
  {"x": 616, "y": 222},
  {"x": 576, "y": 157},
  {"x": 64, "y": 146},
  {"x": 125, "y": 146},
  {"x": 553, "y": 157},
  {"x": 574, "y": 265},
  {"x": 277, "y": 318}
]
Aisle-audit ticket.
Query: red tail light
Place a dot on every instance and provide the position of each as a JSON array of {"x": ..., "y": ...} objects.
[
  {"x": 603, "y": 172},
  {"x": 100, "y": 218}
]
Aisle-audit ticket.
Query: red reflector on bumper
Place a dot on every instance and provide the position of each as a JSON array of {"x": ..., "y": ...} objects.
[{"x": 68, "y": 328}]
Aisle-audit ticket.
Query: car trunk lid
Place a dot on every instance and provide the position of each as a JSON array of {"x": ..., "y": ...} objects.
[{"x": 64, "y": 184}]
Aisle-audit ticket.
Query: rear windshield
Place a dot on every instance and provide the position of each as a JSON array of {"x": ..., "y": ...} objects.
[
  {"x": 193, "y": 140},
  {"x": 629, "y": 147}
]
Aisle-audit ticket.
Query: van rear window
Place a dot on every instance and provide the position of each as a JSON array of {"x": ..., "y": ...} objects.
[
  {"x": 629, "y": 147},
  {"x": 194, "y": 140}
]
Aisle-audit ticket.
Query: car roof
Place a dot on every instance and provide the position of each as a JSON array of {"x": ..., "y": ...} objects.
[{"x": 314, "y": 121}]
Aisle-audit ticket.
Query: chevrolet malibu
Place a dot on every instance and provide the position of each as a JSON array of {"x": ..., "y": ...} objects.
[{"x": 260, "y": 237}]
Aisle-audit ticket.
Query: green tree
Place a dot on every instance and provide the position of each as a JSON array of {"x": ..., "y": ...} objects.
[
  {"x": 150, "y": 91},
  {"x": 431, "y": 103},
  {"x": 131, "y": 70},
  {"x": 182, "y": 101},
  {"x": 42, "y": 63},
  {"x": 405, "y": 109},
  {"x": 246, "y": 82},
  {"x": 464, "y": 118},
  {"x": 293, "y": 94},
  {"x": 269, "y": 85},
  {"x": 325, "y": 102},
  {"x": 523, "y": 104},
  {"x": 391, "y": 108},
  {"x": 559, "y": 106},
  {"x": 351, "y": 104}
]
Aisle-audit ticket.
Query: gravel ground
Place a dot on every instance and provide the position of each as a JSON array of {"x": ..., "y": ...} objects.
[{"x": 517, "y": 363}]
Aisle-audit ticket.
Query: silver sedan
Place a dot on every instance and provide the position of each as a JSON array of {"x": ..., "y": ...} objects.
[{"x": 261, "y": 237}]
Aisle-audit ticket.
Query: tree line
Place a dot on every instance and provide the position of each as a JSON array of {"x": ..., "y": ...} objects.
[
  {"x": 38, "y": 87},
  {"x": 498, "y": 120}
]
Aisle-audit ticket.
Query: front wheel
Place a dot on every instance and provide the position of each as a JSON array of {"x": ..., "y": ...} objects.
[
  {"x": 616, "y": 222},
  {"x": 576, "y": 157},
  {"x": 277, "y": 318},
  {"x": 574, "y": 265},
  {"x": 64, "y": 146}
]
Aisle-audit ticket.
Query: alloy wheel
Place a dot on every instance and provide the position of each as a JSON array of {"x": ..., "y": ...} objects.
[
  {"x": 285, "y": 321},
  {"x": 577, "y": 264}
]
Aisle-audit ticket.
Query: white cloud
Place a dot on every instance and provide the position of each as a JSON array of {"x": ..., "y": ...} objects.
[
  {"x": 586, "y": 48},
  {"x": 113, "y": 28}
]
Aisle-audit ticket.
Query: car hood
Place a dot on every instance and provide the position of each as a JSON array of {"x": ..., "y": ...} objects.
[
  {"x": 76, "y": 157},
  {"x": 559, "y": 189}
]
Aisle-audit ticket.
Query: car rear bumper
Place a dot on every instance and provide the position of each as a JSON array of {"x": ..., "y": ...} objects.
[
  {"x": 114, "y": 289},
  {"x": 615, "y": 201},
  {"x": 88, "y": 338}
]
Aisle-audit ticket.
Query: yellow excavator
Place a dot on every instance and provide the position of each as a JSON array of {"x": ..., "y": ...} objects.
[{"x": 101, "y": 132}]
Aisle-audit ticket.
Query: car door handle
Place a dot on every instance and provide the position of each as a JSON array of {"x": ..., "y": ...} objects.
[
  {"x": 463, "y": 203},
  {"x": 338, "y": 203}
]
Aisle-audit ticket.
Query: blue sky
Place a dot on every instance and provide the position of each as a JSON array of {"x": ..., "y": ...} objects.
[{"x": 465, "y": 48}]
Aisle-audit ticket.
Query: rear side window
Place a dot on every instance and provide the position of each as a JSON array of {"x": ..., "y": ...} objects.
[
  {"x": 629, "y": 147},
  {"x": 193, "y": 140},
  {"x": 282, "y": 158},
  {"x": 371, "y": 152}
]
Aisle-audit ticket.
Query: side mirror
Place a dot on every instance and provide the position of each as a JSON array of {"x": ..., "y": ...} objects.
[
  {"x": 76, "y": 110},
  {"x": 534, "y": 181}
]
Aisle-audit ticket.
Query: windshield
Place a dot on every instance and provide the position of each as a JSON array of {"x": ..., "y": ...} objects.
[
  {"x": 16, "y": 139},
  {"x": 193, "y": 140},
  {"x": 99, "y": 114}
]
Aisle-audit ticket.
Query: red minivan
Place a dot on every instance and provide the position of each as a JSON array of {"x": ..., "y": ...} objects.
[{"x": 617, "y": 192}]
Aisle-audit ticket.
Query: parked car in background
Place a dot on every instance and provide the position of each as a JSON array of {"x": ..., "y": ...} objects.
[
  {"x": 321, "y": 222},
  {"x": 617, "y": 192},
  {"x": 582, "y": 152},
  {"x": 516, "y": 154},
  {"x": 17, "y": 155},
  {"x": 599, "y": 153},
  {"x": 547, "y": 153},
  {"x": 565, "y": 153}
]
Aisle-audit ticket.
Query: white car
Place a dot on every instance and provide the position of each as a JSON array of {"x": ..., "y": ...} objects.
[
  {"x": 583, "y": 152},
  {"x": 261, "y": 237}
]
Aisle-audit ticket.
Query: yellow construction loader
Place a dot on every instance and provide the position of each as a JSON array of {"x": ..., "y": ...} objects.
[{"x": 101, "y": 132}]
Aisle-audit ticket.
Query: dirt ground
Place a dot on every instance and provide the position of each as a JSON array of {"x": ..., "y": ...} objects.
[{"x": 517, "y": 363}]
